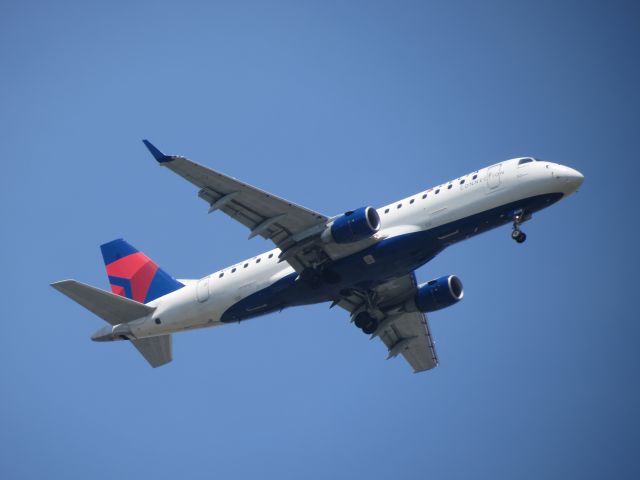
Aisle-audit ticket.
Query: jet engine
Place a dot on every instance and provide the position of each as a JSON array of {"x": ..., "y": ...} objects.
[
  {"x": 439, "y": 293},
  {"x": 353, "y": 226}
]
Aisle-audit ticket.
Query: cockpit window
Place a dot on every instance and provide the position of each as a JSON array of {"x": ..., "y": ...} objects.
[{"x": 525, "y": 160}]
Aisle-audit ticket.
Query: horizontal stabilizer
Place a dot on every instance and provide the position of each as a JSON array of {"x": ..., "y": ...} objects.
[
  {"x": 156, "y": 350},
  {"x": 112, "y": 308}
]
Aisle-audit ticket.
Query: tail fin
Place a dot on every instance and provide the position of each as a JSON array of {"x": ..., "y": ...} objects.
[{"x": 134, "y": 275}]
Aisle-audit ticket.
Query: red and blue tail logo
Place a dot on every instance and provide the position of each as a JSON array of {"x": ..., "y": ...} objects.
[{"x": 134, "y": 275}]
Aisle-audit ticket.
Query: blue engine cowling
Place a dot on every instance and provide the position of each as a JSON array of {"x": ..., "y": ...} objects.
[
  {"x": 353, "y": 226},
  {"x": 439, "y": 293}
]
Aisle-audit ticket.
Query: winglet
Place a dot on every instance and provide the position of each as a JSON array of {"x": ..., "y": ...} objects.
[{"x": 157, "y": 154}]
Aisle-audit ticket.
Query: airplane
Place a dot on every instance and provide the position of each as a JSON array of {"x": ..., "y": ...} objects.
[{"x": 362, "y": 261}]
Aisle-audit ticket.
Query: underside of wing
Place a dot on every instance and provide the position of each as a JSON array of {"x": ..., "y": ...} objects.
[
  {"x": 408, "y": 334},
  {"x": 403, "y": 332}
]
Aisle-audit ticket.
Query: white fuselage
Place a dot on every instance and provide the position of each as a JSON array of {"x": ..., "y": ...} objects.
[{"x": 201, "y": 303}]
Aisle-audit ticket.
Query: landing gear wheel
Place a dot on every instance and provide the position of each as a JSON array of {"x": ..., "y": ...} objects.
[
  {"x": 519, "y": 236},
  {"x": 366, "y": 323},
  {"x": 362, "y": 319},
  {"x": 370, "y": 327}
]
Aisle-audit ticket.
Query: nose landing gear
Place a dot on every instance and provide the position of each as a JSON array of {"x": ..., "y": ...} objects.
[
  {"x": 518, "y": 218},
  {"x": 518, "y": 235}
]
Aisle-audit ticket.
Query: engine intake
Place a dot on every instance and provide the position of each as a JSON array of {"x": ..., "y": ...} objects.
[
  {"x": 439, "y": 293},
  {"x": 353, "y": 226}
]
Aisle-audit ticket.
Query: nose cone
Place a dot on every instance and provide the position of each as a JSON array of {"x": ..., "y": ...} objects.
[
  {"x": 571, "y": 179},
  {"x": 575, "y": 177}
]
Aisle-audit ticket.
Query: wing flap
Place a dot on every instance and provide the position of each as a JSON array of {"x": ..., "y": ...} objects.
[{"x": 419, "y": 353}]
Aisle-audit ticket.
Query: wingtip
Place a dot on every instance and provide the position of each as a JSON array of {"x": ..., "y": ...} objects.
[
  {"x": 61, "y": 284},
  {"x": 157, "y": 154}
]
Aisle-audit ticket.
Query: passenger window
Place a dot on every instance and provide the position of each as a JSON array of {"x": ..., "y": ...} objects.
[
  {"x": 386, "y": 211},
  {"x": 412, "y": 200},
  {"x": 399, "y": 205},
  {"x": 475, "y": 176},
  {"x": 221, "y": 275},
  {"x": 437, "y": 191},
  {"x": 449, "y": 187},
  {"x": 462, "y": 182},
  {"x": 271, "y": 255},
  {"x": 257, "y": 260},
  {"x": 233, "y": 270},
  {"x": 246, "y": 265},
  {"x": 424, "y": 196}
]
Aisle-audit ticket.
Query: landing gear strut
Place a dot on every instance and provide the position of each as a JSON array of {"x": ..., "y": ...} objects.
[{"x": 517, "y": 234}]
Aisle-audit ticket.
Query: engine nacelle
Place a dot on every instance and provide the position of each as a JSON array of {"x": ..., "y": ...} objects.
[
  {"x": 353, "y": 226},
  {"x": 439, "y": 293}
]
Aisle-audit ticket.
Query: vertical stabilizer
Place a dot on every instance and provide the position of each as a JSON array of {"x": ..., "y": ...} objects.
[{"x": 134, "y": 275}]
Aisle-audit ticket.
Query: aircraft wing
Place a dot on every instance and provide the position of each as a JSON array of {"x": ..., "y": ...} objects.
[
  {"x": 409, "y": 335},
  {"x": 404, "y": 333},
  {"x": 267, "y": 215}
]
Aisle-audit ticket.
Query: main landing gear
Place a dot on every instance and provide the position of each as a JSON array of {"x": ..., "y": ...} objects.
[
  {"x": 517, "y": 234},
  {"x": 366, "y": 318},
  {"x": 366, "y": 322}
]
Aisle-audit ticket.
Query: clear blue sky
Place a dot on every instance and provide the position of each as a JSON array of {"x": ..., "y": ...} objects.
[{"x": 334, "y": 105}]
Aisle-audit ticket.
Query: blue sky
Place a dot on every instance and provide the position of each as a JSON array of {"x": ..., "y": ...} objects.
[{"x": 333, "y": 105}]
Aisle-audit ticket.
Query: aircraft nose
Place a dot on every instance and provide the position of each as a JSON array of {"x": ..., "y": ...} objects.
[
  {"x": 571, "y": 178},
  {"x": 574, "y": 177}
]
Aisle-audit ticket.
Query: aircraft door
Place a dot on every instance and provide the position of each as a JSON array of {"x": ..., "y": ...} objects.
[
  {"x": 494, "y": 177},
  {"x": 202, "y": 290}
]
